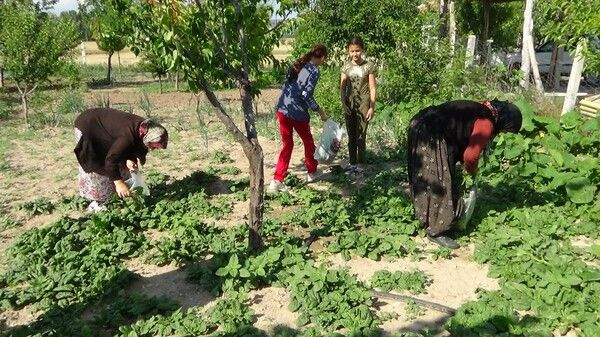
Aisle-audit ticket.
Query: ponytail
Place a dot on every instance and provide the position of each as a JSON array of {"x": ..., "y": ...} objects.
[{"x": 319, "y": 50}]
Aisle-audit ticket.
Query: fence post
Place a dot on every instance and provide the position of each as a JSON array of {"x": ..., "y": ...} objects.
[
  {"x": 470, "y": 55},
  {"x": 574, "y": 78}
]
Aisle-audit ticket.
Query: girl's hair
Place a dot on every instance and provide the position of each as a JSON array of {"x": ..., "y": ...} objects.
[
  {"x": 318, "y": 51},
  {"x": 357, "y": 41}
]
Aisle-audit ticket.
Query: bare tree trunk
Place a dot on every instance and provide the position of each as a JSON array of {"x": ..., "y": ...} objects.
[
  {"x": 160, "y": 82},
  {"x": 574, "y": 78},
  {"x": 452, "y": 32},
  {"x": 110, "y": 54},
  {"x": 177, "y": 81},
  {"x": 119, "y": 60},
  {"x": 24, "y": 104},
  {"x": 254, "y": 151},
  {"x": 443, "y": 18},
  {"x": 487, "y": 7},
  {"x": 558, "y": 68},
  {"x": 534, "y": 65},
  {"x": 1, "y": 77},
  {"x": 527, "y": 29}
]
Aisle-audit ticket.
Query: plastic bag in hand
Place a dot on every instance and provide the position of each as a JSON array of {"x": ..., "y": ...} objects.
[
  {"x": 137, "y": 180},
  {"x": 330, "y": 142}
]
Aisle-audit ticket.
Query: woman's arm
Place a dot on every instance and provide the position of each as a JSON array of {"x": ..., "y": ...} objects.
[
  {"x": 482, "y": 132},
  {"x": 114, "y": 159},
  {"x": 308, "y": 94}
]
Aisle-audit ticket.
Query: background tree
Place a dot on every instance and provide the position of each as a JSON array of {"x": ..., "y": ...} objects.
[
  {"x": 33, "y": 46},
  {"x": 109, "y": 29},
  {"x": 217, "y": 40}
]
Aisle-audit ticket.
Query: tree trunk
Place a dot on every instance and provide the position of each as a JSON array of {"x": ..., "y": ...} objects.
[
  {"x": 574, "y": 78},
  {"x": 110, "y": 54},
  {"x": 443, "y": 18},
  {"x": 557, "y": 72},
  {"x": 24, "y": 104},
  {"x": 534, "y": 65},
  {"x": 487, "y": 7},
  {"x": 160, "y": 83},
  {"x": 452, "y": 28},
  {"x": 177, "y": 81},
  {"x": 1, "y": 77},
  {"x": 254, "y": 152},
  {"x": 119, "y": 60},
  {"x": 527, "y": 29}
]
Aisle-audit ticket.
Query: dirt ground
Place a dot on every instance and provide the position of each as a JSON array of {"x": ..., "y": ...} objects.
[{"x": 42, "y": 164}]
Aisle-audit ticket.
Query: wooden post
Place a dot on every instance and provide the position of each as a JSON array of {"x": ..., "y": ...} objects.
[
  {"x": 83, "y": 53},
  {"x": 470, "y": 55},
  {"x": 534, "y": 65},
  {"x": 574, "y": 78},
  {"x": 452, "y": 32},
  {"x": 527, "y": 28}
]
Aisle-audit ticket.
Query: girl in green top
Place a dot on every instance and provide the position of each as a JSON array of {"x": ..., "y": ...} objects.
[{"x": 358, "y": 92}]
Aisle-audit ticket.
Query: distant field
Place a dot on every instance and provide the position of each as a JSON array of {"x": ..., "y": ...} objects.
[{"x": 95, "y": 56}]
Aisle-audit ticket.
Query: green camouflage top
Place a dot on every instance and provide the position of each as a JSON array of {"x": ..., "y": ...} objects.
[{"x": 357, "y": 87}]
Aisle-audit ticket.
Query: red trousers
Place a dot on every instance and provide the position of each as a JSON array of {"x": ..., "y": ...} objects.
[{"x": 286, "y": 128}]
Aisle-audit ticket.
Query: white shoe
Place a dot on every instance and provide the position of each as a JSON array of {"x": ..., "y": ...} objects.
[
  {"x": 277, "y": 186},
  {"x": 95, "y": 207},
  {"x": 311, "y": 177}
]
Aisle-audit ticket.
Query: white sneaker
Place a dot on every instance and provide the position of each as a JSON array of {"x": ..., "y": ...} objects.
[
  {"x": 311, "y": 177},
  {"x": 95, "y": 207},
  {"x": 277, "y": 186}
]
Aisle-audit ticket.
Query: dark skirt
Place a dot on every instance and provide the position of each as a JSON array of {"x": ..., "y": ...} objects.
[{"x": 435, "y": 186}]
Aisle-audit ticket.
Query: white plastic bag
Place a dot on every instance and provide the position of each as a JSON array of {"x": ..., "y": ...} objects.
[
  {"x": 137, "y": 180},
  {"x": 469, "y": 208},
  {"x": 330, "y": 142}
]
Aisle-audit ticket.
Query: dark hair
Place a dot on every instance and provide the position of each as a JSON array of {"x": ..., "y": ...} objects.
[
  {"x": 357, "y": 41},
  {"x": 319, "y": 50},
  {"x": 510, "y": 118}
]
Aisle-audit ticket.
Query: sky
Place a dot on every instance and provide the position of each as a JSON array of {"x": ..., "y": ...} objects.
[
  {"x": 67, "y": 5},
  {"x": 64, "y": 5}
]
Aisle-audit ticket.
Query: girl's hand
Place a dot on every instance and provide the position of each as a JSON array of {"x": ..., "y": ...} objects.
[
  {"x": 122, "y": 189},
  {"x": 370, "y": 114},
  {"x": 132, "y": 166}
]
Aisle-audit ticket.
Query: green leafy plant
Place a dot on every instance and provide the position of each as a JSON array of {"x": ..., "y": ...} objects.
[{"x": 413, "y": 281}]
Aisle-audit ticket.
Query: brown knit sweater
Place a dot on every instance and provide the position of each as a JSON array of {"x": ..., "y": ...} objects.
[{"x": 109, "y": 138}]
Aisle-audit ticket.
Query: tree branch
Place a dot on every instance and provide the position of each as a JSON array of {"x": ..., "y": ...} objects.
[
  {"x": 238, "y": 135},
  {"x": 281, "y": 23}
]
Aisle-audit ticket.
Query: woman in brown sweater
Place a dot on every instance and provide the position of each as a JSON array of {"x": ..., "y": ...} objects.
[{"x": 110, "y": 143}]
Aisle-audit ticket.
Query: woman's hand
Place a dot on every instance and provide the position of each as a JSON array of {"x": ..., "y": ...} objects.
[
  {"x": 122, "y": 189},
  {"x": 131, "y": 165},
  {"x": 323, "y": 115},
  {"x": 370, "y": 114}
]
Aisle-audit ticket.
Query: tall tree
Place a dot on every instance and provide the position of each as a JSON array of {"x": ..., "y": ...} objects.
[
  {"x": 32, "y": 46},
  {"x": 217, "y": 40},
  {"x": 109, "y": 29}
]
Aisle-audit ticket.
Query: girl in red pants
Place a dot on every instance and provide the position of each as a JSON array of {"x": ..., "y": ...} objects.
[{"x": 293, "y": 114}]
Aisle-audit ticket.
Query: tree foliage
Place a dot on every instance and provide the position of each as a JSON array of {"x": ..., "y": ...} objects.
[
  {"x": 570, "y": 21},
  {"x": 384, "y": 25},
  {"x": 33, "y": 45},
  {"x": 211, "y": 41}
]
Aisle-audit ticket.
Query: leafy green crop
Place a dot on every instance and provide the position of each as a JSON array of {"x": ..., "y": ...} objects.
[{"x": 412, "y": 281}]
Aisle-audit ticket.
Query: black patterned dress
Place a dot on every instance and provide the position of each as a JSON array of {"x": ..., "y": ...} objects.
[{"x": 437, "y": 139}]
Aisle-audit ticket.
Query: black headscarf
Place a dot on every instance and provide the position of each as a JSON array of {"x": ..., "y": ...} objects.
[{"x": 509, "y": 116}]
